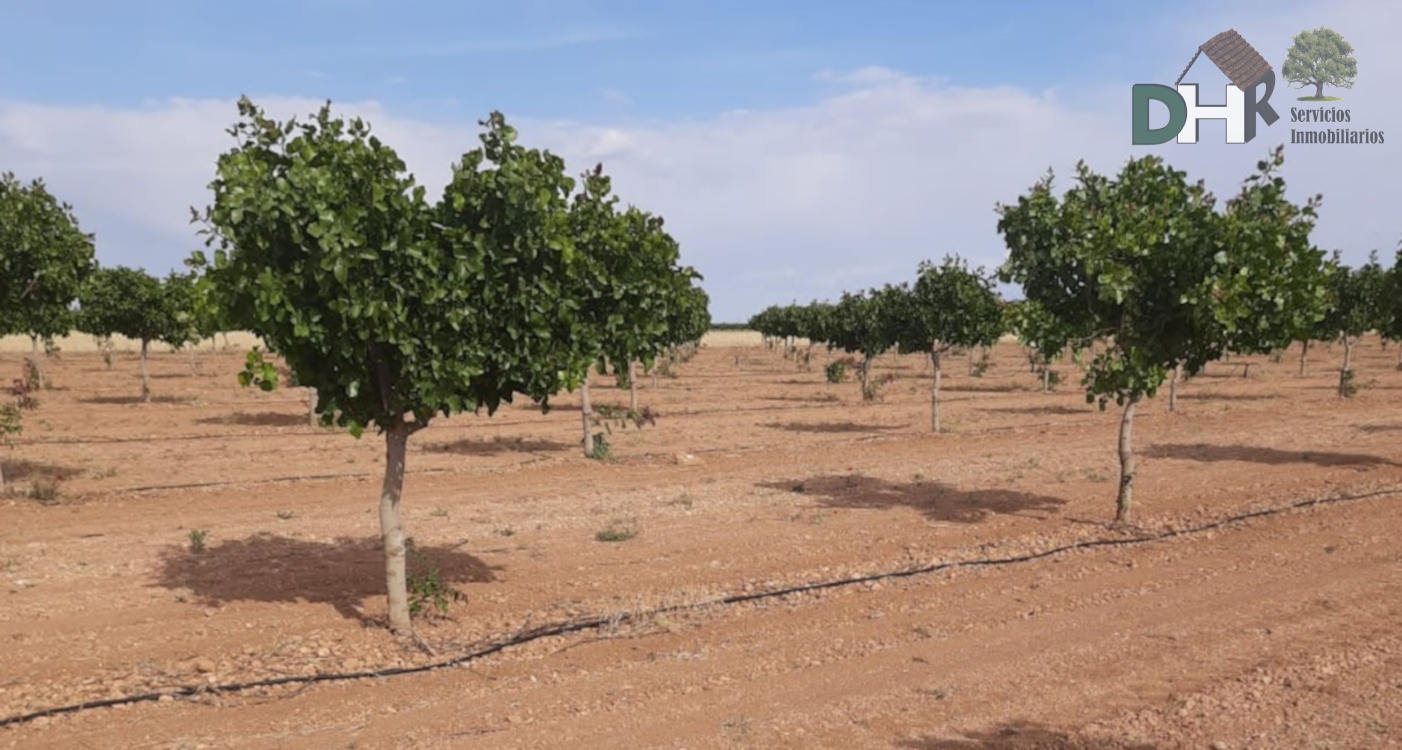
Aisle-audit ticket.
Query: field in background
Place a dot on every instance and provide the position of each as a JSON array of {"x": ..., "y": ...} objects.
[{"x": 1278, "y": 632}]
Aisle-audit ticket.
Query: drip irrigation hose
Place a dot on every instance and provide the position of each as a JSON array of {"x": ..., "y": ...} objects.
[{"x": 599, "y": 622}]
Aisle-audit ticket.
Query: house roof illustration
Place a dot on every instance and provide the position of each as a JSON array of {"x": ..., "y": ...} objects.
[{"x": 1237, "y": 60}]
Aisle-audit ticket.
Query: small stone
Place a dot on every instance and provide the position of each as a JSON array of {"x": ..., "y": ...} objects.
[
  {"x": 204, "y": 666},
  {"x": 1219, "y": 746},
  {"x": 351, "y": 665},
  {"x": 164, "y": 699}
]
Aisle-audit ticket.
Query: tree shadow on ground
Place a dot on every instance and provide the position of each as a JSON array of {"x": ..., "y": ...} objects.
[
  {"x": 23, "y": 470},
  {"x": 939, "y": 502},
  {"x": 1191, "y": 396},
  {"x": 833, "y": 427},
  {"x": 822, "y": 398},
  {"x": 128, "y": 400},
  {"x": 975, "y": 387},
  {"x": 261, "y": 419},
  {"x": 1380, "y": 427},
  {"x": 1257, "y": 455},
  {"x": 277, "y": 569},
  {"x": 470, "y": 447},
  {"x": 1040, "y": 410},
  {"x": 1020, "y": 735}
]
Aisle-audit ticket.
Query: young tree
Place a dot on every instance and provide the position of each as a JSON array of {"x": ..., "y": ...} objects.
[
  {"x": 1047, "y": 336},
  {"x": 1145, "y": 260},
  {"x": 949, "y": 306},
  {"x": 134, "y": 304},
  {"x": 11, "y": 424},
  {"x": 1358, "y": 304},
  {"x": 623, "y": 319},
  {"x": 862, "y": 323},
  {"x": 818, "y": 327},
  {"x": 1320, "y": 58},
  {"x": 44, "y": 259},
  {"x": 394, "y": 309},
  {"x": 1390, "y": 325}
]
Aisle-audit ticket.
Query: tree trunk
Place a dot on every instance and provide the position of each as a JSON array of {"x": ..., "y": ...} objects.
[
  {"x": 392, "y": 530},
  {"x": 38, "y": 362},
  {"x": 1344, "y": 372},
  {"x": 1046, "y": 378},
  {"x": 587, "y": 410},
  {"x": 145, "y": 373},
  {"x": 1125, "y": 498},
  {"x": 935, "y": 392},
  {"x": 632, "y": 387},
  {"x": 1173, "y": 387},
  {"x": 226, "y": 340},
  {"x": 1399, "y": 356},
  {"x": 971, "y": 361},
  {"x": 866, "y": 375},
  {"x": 1304, "y": 352},
  {"x": 2, "y": 475},
  {"x": 1319, "y": 89},
  {"x": 311, "y": 407}
]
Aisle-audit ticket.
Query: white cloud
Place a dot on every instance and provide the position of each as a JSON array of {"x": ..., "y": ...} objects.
[{"x": 848, "y": 192}]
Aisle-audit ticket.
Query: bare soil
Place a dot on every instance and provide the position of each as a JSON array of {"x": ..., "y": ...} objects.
[{"x": 1279, "y": 631}]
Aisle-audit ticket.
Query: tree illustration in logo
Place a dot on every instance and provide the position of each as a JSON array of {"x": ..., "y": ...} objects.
[{"x": 1320, "y": 58}]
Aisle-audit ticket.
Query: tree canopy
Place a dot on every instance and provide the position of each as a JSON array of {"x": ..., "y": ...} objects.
[
  {"x": 396, "y": 309},
  {"x": 950, "y": 305},
  {"x": 1146, "y": 261},
  {"x": 44, "y": 259}
]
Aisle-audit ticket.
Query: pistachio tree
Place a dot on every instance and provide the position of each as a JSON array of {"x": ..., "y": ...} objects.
[
  {"x": 395, "y": 309},
  {"x": 1145, "y": 261},
  {"x": 631, "y": 280},
  {"x": 863, "y": 323},
  {"x": 44, "y": 259},
  {"x": 950, "y": 305},
  {"x": 688, "y": 321},
  {"x": 1390, "y": 323},
  {"x": 1357, "y": 297},
  {"x": 1045, "y": 335},
  {"x": 132, "y": 303}
]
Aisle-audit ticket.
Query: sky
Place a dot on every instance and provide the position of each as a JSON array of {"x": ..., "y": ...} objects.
[{"x": 796, "y": 150}]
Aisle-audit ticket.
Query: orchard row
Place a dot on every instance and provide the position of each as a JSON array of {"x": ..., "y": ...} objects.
[
  {"x": 394, "y": 309},
  {"x": 1140, "y": 277}
]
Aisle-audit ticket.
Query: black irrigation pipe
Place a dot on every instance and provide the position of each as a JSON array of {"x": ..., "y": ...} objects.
[{"x": 600, "y": 622}]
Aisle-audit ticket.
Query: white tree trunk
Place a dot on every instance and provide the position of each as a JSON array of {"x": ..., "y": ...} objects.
[
  {"x": 632, "y": 387},
  {"x": 586, "y": 411},
  {"x": 1345, "y": 371},
  {"x": 145, "y": 373},
  {"x": 38, "y": 362},
  {"x": 1124, "y": 500},
  {"x": 935, "y": 358},
  {"x": 392, "y": 529}
]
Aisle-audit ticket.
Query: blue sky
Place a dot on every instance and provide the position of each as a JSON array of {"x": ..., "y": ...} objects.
[
  {"x": 559, "y": 59},
  {"x": 796, "y": 149}
]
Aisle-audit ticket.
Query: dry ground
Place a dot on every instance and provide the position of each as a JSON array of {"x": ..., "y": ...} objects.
[{"x": 1277, "y": 632}]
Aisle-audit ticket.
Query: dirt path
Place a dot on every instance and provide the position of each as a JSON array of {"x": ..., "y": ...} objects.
[{"x": 1274, "y": 633}]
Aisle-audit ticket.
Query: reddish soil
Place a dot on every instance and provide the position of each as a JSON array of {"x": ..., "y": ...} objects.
[{"x": 1275, "y": 632}]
